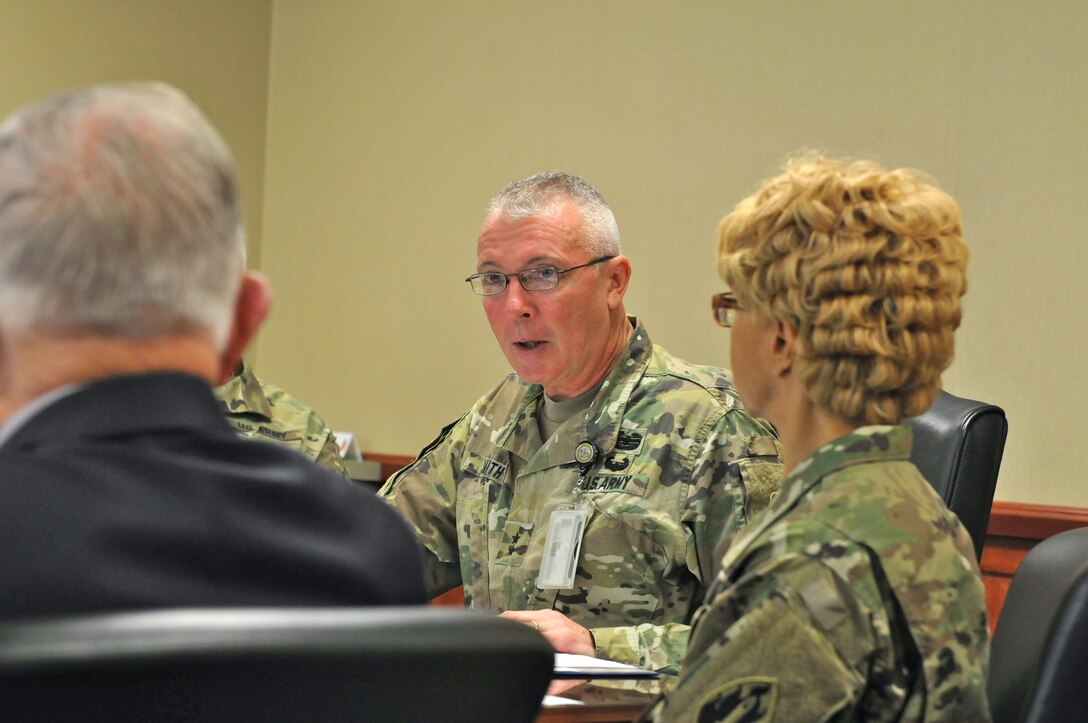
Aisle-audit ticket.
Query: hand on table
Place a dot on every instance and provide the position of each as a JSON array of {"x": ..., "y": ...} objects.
[{"x": 565, "y": 635}]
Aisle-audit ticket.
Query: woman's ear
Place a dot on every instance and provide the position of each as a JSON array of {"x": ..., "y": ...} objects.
[{"x": 785, "y": 346}]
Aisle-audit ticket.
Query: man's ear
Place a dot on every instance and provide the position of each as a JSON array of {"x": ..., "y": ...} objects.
[
  {"x": 785, "y": 346},
  {"x": 619, "y": 275},
  {"x": 250, "y": 309}
]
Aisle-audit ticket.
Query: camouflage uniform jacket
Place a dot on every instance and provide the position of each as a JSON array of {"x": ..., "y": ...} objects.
[
  {"x": 680, "y": 463},
  {"x": 264, "y": 411},
  {"x": 855, "y": 597}
]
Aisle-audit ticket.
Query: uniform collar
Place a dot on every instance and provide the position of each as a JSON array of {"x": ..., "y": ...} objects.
[
  {"x": 863, "y": 445},
  {"x": 600, "y": 423}
]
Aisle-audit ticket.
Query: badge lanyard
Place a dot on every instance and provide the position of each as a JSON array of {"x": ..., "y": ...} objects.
[{"x": 565, "y": 527}]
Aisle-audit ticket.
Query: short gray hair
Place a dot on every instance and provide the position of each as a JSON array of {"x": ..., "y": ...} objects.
[
  {"x": 545, "y": 192},
  {"x": 118, "y": 216}
]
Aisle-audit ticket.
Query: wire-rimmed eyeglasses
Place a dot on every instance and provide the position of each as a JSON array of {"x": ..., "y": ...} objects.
[
  {"x": 541, "y": 278},
  {"x": 725, "y": 308}
]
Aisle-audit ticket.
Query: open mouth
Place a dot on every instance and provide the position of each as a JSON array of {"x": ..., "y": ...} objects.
[{"x": 527, "y": 344}]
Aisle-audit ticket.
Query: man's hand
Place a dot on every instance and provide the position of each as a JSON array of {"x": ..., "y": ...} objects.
[{"x": 565, "y": 635}]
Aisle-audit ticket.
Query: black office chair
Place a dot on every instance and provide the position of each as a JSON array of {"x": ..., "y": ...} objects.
[
  {"x": 957, "y": 446},
  {"x": 1039, "y": 656},
  {"x": 272, "y": 665}
]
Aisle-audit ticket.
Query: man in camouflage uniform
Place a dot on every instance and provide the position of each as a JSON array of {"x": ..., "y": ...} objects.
[
  {"x": 261, "y": 410},
  {"x": 856, "y": 595},
  {"x": 597, "y": 427}
]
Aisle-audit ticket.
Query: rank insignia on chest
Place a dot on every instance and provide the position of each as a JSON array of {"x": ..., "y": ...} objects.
[{"x": 493, "y": 470}]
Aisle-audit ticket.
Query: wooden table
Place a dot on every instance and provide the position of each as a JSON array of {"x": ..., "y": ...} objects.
[
  {"x": 590, "y": 714},
  {"x": 602, "y": 702}
]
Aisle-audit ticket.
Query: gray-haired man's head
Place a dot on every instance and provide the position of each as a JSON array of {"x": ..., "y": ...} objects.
[{"x": 119, "y": 217}]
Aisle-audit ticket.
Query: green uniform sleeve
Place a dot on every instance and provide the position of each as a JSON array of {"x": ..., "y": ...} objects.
[
  {"x": 735, "y": 473},
  {"x": 738, "y": 472},
  {"x": 425, "y": 492},
  {"x": 785, "y": 642},
  {"x": 654, "y": 647}
]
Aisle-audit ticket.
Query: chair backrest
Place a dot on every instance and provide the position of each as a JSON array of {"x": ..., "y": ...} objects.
[
  {"x": 957, "y": 447},
  {"x": 271, "y": 665},
  {"x": 1039, "y": 655}
]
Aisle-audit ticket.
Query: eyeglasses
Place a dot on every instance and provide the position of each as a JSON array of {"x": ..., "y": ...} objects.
[
  {"x": 542, "y": 278},
  {"x": 725, "y": 306}
]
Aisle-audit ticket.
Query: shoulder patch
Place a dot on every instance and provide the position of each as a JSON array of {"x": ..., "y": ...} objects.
[
  {"x": 747, "y": 700},
  {"x": 763, "y": 446}
]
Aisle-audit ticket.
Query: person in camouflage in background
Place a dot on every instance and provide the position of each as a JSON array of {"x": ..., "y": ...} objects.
[
  {"x": 264, "y": 411},
  {"x": 855, "y": 596},
  {"x": 597, "y": 428}
]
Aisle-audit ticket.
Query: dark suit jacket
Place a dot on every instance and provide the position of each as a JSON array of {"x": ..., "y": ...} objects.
[{"x": 135, "y": 493}]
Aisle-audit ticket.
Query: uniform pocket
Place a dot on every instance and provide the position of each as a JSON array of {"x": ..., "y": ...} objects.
[{"x": 622, "y": 575}]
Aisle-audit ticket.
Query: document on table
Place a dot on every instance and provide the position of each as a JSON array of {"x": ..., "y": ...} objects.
[{"x": 568, "y": 665}]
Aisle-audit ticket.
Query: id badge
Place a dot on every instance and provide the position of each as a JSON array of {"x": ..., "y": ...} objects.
[{"x": 561, "y": 547}]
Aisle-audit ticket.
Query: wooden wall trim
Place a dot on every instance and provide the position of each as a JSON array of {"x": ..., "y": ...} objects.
[
  {"x": 390, "y": 462},
  {"x": 1033, "y": 522},
  {"x": 1014, "y": 528},
  {"x": 1007, "y": 519}
]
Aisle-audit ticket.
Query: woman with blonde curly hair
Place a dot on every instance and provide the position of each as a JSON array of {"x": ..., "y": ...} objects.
[{"x": 856, "y": 595}]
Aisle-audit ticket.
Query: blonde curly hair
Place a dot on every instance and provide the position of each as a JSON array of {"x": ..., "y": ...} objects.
[{"x": 869, "y": 265}]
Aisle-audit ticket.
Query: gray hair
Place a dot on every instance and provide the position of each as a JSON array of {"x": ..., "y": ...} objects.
[
  {"x": 118, "y": 216},
  {"x": 545, "y": 192}
]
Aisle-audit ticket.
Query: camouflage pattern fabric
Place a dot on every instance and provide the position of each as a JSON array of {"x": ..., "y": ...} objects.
[
  {"x": 264, "y": 411},
  {"x": 855, "y": 597},
  {"x": 680, "y": 463}
]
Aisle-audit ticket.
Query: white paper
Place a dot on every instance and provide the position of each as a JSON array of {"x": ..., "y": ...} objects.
[
  {"x": 568, "y": 665},
  {"x": 554, "y": 701}
]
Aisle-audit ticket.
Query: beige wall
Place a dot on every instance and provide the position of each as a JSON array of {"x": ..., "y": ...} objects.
[
  {"x": 391, "y": 124},
  {"x": 217, "y": 52}
]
